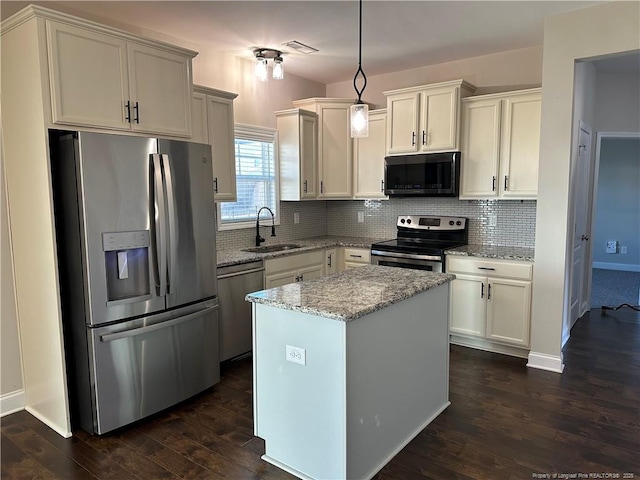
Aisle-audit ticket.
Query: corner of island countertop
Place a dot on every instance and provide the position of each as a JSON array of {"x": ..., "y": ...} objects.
[{"x": 353, "y": 293}]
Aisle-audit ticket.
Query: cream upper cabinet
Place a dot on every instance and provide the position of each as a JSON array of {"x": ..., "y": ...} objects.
[
  {"x": 213, "y": 123},
  {"x": 106, "y": 79},
  {"x": 297, "y": 153},
  {"x": 500, "y": 145},
  {"x": 425, "y": 118},
  {"x": 491, "y": 299},
  {"x": 368, "y": 158},
  {"x": 335, "y": 146}
]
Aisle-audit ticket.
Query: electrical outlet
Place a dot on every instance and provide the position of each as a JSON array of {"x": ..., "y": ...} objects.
[
  {"x": 360, "y": 217},
  {"x": 623, "y": 249},
  {"x": 296, "y": 355},
  {"x": 493, "y": 219},
  {"x": 296, "y": 217},
  {"x": 612, "y": 246}
]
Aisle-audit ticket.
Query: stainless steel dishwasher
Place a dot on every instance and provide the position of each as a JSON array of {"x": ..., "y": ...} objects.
[{"x": 234, "y": 282}]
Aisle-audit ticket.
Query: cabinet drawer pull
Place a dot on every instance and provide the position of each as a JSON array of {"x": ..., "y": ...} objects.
[
  {"x": 486, "y": 268},
  {"x": 355, "y": 256}
]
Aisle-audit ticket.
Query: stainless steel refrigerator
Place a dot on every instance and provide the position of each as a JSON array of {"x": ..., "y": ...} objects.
[{"x": 137, "y": 266}]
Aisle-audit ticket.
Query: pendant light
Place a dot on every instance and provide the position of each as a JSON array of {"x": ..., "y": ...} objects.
[
  {"x": 360, "y": 110},
  {"x": 262, "y": 70}
]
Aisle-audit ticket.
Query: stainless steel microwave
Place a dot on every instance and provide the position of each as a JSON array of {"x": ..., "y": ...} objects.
[{"x": 424, "y": 174}]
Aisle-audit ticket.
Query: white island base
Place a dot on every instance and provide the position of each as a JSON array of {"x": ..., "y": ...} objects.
[{"x": 367, "y": 388}]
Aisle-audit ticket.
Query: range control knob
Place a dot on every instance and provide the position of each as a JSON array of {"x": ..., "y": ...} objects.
[
  {"x": 402, "y": 220},
  {"x": 408, "y": 220},
  {"x": 458, "y": 223},
  {"x": 451, "y": 222}
]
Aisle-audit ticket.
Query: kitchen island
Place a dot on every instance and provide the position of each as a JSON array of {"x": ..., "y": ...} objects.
[{"x": 349, "y": 368}]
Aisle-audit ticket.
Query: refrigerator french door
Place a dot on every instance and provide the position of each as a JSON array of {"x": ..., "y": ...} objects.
[{"x": 136, "y": 254}]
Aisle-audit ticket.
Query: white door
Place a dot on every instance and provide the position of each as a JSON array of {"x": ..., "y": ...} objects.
[{"x": 580, "y": 234}]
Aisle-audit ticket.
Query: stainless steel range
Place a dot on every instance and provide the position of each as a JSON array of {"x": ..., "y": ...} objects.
[{"x": 421, "y": 242}]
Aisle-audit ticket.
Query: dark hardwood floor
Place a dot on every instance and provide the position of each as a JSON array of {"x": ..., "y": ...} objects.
[{"x": 505, "y": 421}]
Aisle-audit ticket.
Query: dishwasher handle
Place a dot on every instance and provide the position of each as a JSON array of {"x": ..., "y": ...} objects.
[{"x": 241, "y": 272}]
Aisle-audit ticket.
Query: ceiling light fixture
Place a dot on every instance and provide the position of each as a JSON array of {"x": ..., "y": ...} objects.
[
  {"x": 360, "y": 110},
  {"x": 262, "y": 72}
]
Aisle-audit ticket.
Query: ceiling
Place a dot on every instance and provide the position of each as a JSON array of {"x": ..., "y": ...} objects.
[{"x": 397, "y": 35}]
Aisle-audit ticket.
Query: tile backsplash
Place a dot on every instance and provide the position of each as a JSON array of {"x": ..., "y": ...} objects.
[{"x": 515, "y": 226}]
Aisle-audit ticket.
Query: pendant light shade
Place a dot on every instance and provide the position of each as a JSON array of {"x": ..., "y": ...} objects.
[
  {"x": 359, "y": 111},
  {"x": 261, "y": 68},
  {"x": 278, "y": 68},
  {"x": 359, "y": 120}
]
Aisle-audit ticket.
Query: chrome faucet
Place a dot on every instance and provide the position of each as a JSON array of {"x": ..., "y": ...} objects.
[{"x": 259, "y": 239}]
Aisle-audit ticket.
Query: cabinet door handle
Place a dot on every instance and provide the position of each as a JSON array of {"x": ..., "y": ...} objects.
[
  {"x": 329, "y": 258},
  {"x": 493, "y": 188},
  {"x": 305, "y": 186},
  {"x": 136, "y": 111},
  {"x": 321, "y": 186},
  {"x": 506, "y": 183},
  {"x": 215, "y": 185},
  {"x": 424, "y": 137},
  {"x": 382, "y": 186},
  {"x": 486, "y": 268},
  {"x": 482, "y": 290},
  {"x": 301, "y": 276},
  {"x": 413, "y": 139},
  {"x": 489, "y": 292},
  {"x": 127, "y": 105}
]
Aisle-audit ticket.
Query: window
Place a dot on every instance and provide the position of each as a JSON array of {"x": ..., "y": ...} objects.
[{"x": 256, "y": 179}]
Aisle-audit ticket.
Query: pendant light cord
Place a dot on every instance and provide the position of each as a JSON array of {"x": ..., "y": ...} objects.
[{"x": 360, "y": 72}]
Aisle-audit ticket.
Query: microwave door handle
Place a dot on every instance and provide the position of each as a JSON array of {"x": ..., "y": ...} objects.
[
  {"x": 159, "y": 221},
  {"x": 172, "y": 234}
]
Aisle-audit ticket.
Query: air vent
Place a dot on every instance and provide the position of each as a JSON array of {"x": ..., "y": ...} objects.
[{"x": 300, "y": 47}]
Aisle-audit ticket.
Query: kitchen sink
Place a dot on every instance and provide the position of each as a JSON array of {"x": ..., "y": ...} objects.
[{"x": 272, "y": 248}]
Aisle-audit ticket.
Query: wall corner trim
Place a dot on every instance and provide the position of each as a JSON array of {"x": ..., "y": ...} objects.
[
  {"x": 542, "y": 361},
  {"x": 12, "y": 402}
]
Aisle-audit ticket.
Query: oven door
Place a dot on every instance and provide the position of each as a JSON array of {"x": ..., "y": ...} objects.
[{"x": 430, "y": 263}]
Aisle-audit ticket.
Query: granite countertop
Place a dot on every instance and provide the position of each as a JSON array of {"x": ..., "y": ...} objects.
[
  {"x": 494, "y": 251},
  {"x": 235, "y": 257},
  {"x": 351, "y": 294}
]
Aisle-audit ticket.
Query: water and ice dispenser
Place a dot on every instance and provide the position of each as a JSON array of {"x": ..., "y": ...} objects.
[{"x": 127, "y": 265}]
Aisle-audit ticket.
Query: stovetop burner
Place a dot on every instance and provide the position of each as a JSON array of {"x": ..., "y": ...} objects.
[{"x": 426, "y": 235}]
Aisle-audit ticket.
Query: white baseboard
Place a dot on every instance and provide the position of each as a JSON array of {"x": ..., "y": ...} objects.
[
  {"x": 625, "y": 267},
  {"x": 12, "y": 402},
  {"x": 542, "y": 361}
]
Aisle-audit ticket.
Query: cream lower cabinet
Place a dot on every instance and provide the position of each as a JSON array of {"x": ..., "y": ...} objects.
[
  {"x": 425, "y": 118},
  {"x": 500, "y": 145},
  {"x": 355, "y": 257},
  {"x": 368, "y": 158},
  {"x": 293, "y": 268},
  {"x": 213, "y": 123},
  {"x": 331, "y": 261},
  {"x": 491, "y": 299},
  {"x": 335, "y": 146},
  {"x": 110, "y": 80}
]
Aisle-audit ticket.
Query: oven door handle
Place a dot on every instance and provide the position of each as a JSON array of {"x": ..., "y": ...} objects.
[{"x": 379, "y": 253}]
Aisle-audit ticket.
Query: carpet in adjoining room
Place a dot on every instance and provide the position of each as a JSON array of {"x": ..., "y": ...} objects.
[{"x": 614, "y": 287}]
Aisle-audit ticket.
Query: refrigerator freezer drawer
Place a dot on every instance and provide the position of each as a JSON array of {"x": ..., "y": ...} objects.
[{"x": 150, "y": 366}]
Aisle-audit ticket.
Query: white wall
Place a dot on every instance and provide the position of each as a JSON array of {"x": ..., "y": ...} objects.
[
  {"x": 498, "y": 72},
  {"x": 618, "y": 102},
  {"x": 617, "y": 209},
  {"x": 11, "y": 368},
  {"x": 582, "y": 34}
]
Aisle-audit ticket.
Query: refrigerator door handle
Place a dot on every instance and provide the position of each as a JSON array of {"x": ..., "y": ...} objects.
[
  {"x": 110, "y": 337},
  {"x": 172, "y": 238},
  {"x": 159, "y": 221}
]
